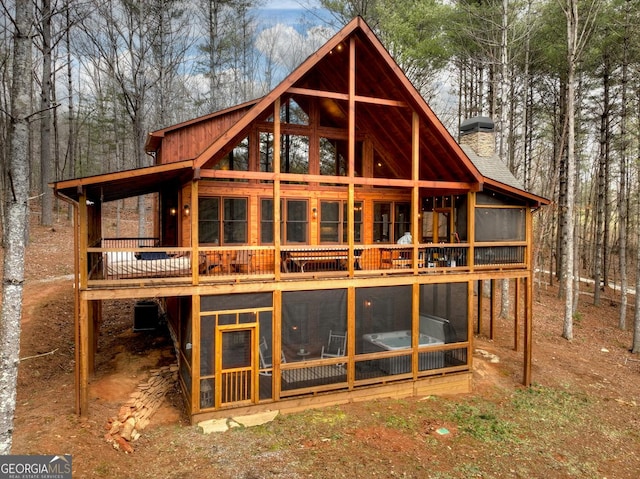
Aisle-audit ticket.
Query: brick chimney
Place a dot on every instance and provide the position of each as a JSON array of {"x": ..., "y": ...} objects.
[{"x": 479, "y": 134}]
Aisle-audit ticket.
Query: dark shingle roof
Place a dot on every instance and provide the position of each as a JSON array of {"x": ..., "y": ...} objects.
[{"x": 491, "y": 167}]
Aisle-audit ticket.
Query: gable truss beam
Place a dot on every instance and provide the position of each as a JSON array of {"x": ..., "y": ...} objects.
[
  {"x": 345, "y": 97},
  {"x": 342, "y": 180}
]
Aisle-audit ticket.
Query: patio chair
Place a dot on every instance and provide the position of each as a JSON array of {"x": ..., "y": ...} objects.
[
  {"x": 242, "y": 263},
  {"x": 266, "y": 360},
  {"x": 336, "y": 345}
]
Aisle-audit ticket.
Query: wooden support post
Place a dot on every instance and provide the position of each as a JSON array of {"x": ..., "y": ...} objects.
[
  {"x": 351, "y": 154},
  {"x": 528, "y": 328},
  {"x": 195, "y": 260},
  {"x": 83, "y": 364},
  {"x": 528, "y": 302},
  {"x": 471, "y": 227},
  {"x": 83, "y": 239},
  {"x": 415, "y": 191},
  {"x": 76, "y": 309},
  {"x": 95, "y": 316},
  {"x": 492, "y": 310},
  {"x": 276, "y": 344},
  {"x": 470, "y": 284},
  {"x": 415, "y": 327},
  {"x": 277, "y": 240},
  {"x": 195, "y": 353},
  {"x": 516, "y": 315},
  {"x": 480, "y": 306},
  {"x": 351, "y": 335}
]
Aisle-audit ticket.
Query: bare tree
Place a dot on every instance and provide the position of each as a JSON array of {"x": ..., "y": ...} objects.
[
  {"x": 601, "y": 207},
  {"x": 15, "y": 201},
  {"x": 46, "y": 167},
  {"x": 122, "y": 35},
  {"x": 623, "y": 206}
]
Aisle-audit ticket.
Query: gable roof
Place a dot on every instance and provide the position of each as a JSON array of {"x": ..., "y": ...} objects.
[
  {"x": 352, "y": 68},
  {"x": 384, "y": 100}
]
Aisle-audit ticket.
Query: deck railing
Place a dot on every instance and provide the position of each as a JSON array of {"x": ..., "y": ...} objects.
[{"x": 134, "y": 258}]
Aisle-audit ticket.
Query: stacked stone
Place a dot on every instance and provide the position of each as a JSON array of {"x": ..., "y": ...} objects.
[{"x": 134, "y": 416}]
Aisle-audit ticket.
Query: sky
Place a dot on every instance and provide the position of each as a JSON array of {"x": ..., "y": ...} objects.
[
  {"x": 288, "y": 4},
  {"x": 299, "y": 14}
]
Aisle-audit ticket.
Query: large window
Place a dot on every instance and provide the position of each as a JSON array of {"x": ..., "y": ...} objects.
[
  {"x": 334, "y": 222},
  {"x": 295, "y": 221},
  {"x": 231, "y": 220},
  {"x": 237, "y": 159},
  {"x": 334, "y": 157},
  {"x": 390, "y": 221},
  {"x": 294, "y": 153}
]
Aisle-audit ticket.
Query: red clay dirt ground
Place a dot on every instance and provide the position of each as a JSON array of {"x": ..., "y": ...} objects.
[{"x": 581, "y": 418}]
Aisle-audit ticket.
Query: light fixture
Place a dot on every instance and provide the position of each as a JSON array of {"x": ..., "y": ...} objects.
[
  {"x": 173, "y": 211},
  {"x": 186, "y": 211},
  {"x": 315, "y": 213}
]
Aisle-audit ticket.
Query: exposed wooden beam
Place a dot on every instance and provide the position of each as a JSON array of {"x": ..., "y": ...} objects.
[
  {"x": 345, "y": 97},
  {"x": 344, "y": 180},
  {"x": 127, "y": 174}
]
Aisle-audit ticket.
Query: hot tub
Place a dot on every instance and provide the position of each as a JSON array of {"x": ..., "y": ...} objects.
[
  {"x": 394, "y": 340},
  {"x": 399, "y": 340}
]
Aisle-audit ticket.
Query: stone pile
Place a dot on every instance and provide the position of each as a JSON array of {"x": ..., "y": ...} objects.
[{"x": 134, "y": 416}]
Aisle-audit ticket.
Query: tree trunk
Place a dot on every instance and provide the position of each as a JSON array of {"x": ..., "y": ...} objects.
[
  {"x": 70, "y": 156},
  {"x": 635, "y": 346},
  {"x": 46, "y": 218},
  {"x": 504, "y": 133},
  {"x": 622, "y": 201},
  {"x": 16, "y": 201},
  {"x": 568, "y": 208},
  {"x": 601, "y": 195}
]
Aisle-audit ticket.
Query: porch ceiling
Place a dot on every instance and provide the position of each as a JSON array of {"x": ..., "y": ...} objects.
[{"x": 124, "y": 184}]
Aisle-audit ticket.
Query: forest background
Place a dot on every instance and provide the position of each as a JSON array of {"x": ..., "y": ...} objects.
[{"x": 82, "y": 82}]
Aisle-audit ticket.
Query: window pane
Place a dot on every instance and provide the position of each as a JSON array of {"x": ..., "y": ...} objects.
[
  {"x": 208, "y": 209},
  {"x": 333, "y": 157},
  {"x": 235, "y": 220},
  {"x": 208, "y": 220},
  {"x": 296, "y": 210},
  {"x": 266, "y": 151},
  {"x": 357, "y": 220},
  {"x": 381, "y": 222},
  {"x": 330, "y": 211},
  {"x": 291, "y": 112},
  {"x": 266, "y": 221},
  {"x": 402, "y": 220},
  {"x": 237, "y": 159},
  {"x": 443, "y": 227},
  {"x": 329, "y": 221},
  {"x": 235, "y": 209},
  {"x": 295, "y": 154},
  {"x": 296, "y": 228}
]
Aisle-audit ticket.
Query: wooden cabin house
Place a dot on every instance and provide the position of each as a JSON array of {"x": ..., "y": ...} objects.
[{"x": 281, "y": 256}]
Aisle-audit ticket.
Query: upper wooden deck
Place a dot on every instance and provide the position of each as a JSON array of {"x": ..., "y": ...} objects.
[{"x": 126, "y": 262}]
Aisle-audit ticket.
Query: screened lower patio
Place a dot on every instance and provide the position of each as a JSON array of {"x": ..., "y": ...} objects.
[{"x": 261, "y": 348}]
